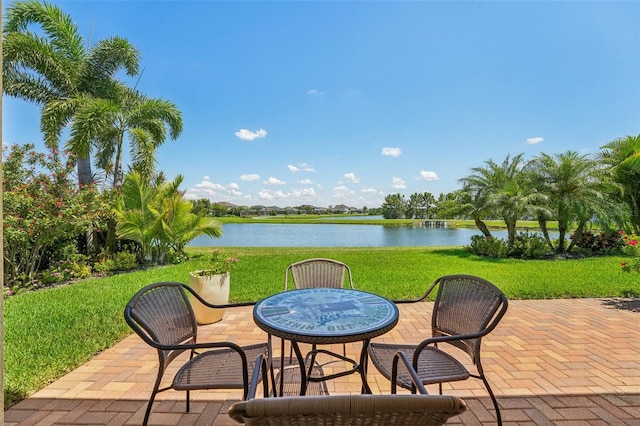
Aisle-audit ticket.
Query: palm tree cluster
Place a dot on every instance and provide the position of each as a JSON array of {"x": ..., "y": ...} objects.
[
  {"x": 74, "y": 82},
  {"x": 572, "y": 189}
]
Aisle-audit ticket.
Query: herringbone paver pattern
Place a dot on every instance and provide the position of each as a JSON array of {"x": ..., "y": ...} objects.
[{"x": 561, "y": 362}]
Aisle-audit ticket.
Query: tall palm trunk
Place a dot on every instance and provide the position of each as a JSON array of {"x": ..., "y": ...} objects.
[
  {"x": 542, "y": 223},
  {"x": 85, "y": 178},
  {"x": 482, "y": 227},
  {"x": 110, "y": 243}
]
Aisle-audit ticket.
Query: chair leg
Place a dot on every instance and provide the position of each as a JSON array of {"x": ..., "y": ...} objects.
[
  {"x": 153, "y": 397},
  {"x": 493, "y": 398},
  {"x": 188, "y": 399}
]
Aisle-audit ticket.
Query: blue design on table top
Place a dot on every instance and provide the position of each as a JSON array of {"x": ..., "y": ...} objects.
[{"x": 326, "y": 311}]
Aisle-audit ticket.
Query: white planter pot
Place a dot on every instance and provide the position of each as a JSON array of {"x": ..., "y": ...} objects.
[{"x": 212, "y": 288}]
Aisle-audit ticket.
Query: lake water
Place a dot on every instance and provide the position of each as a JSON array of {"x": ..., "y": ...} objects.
[{"x": 329, "y": 235}]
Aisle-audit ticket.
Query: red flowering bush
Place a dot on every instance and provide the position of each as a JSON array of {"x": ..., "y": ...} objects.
[
  {"x": 632, "y": 249},
  {"x": 44, "y": 210}
]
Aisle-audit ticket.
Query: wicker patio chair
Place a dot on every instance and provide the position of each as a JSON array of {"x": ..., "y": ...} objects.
[
  {"x": 162, "y": 316},
  {"x": 318, "y": 273},
  {"x": 466, "y": 309},
  {"x": 349, "y": 410}
]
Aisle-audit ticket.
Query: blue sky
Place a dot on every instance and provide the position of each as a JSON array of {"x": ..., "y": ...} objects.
[{"x": 325, "y": 103}]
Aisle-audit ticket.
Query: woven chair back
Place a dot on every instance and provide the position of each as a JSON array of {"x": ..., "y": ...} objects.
[
  {"x": 163, "y": 314},
  {"x": 466, "y": 305},
  {"x": 318, "y": 273},
  {"x": 351, "y": 410}
]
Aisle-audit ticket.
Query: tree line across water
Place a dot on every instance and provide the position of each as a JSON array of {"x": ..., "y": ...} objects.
[{"x": 57, "y": 228}]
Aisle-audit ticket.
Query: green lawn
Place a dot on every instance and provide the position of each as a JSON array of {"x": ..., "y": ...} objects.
[{"x": 50, "y": 332}]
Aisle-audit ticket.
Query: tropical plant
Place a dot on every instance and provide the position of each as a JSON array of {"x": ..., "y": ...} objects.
[
  {"x": 108, "y": 123},
  {"x": 56, "y": 71},
  {"x": 466, "y": 203},
  {"x": 155, "y": 215},
  {"x": 574, "y": 191},
  {"x": 503, "y": 189},
  {"x": 622, "y": 159}
]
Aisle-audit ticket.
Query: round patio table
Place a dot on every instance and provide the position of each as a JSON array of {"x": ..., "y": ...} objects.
[{"x": 324, "y": 316}]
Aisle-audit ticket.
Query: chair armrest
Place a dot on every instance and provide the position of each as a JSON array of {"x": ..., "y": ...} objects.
[
  {"x": 195, "y": 346},
  {"x": 412, "y": 372},
  {"x": 448, "y": 339},
  {"x": 421, "y": 298},
  {"x": 260, "y": 368},
  {"x": 210, "y": 305}
]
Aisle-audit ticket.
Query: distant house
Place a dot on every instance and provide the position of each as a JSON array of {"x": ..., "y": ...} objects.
[{"x": 341, "y": 208}]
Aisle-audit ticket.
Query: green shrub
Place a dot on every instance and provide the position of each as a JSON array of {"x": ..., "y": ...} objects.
[
  {"x": 125, "y": 261},
  {"x": 105, "y": 265},
  {"x": 66, "y": 270},
  {"x": 609, "y": 242},
  {"x": 529, "y": 246},
  {"x": 488, "y": 246}
]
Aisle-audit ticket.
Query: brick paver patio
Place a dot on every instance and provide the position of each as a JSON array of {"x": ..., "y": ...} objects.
[{"x": 563, "y": 362}]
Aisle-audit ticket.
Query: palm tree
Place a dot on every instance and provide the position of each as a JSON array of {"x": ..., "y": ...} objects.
[
  {"x": 503, "y": 189},
  {"x": 157, "y": 217},
  {"x": 467, "y": 203},
  {"x": 57, "y": 71},
  {"x": 107, "y": 123},
  {"x": 622, "y": 159},
  {"x": 574, "y": 190}
]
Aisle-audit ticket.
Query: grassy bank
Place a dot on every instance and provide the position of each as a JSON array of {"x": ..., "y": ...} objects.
[{"x": 51, "y": 332}]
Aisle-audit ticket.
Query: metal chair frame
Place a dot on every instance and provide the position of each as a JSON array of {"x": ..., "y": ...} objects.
[
  {"x": 349, "y": 410},
  {"x": 161, "y": 314},
  {"x": 466, "y": 308}
]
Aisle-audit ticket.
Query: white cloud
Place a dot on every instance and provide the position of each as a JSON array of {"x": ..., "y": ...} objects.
[
  {"x": 428, "y": 175},
  {"x": 249, "y": 178},
  {"x": 367, "y": 190},
  {"x": 274, "y": 181},
  {"x": 315, "y": 92},
  {"x": 305, "y": 182},
  {"x": 398, "y": 183},
  {"x": 266, "y": 194},
  {"x": 307, "y": 168},
  {"x": 391, "y": 152},
  {"x": 248, "y": 135},
  {"x": 207, "y": 184},
  {"x": 304, "y": 167},
  {"x": 303, "y": 193},
  {"x": 341, "y": 192},
  {"x": 535, "y": 140},
  {"x": 212, "y": 191},
  {"x": 351, "y": 177}
]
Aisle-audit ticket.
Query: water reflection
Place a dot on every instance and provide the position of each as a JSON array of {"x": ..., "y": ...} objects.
[{"x": 329, "y": 235}]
